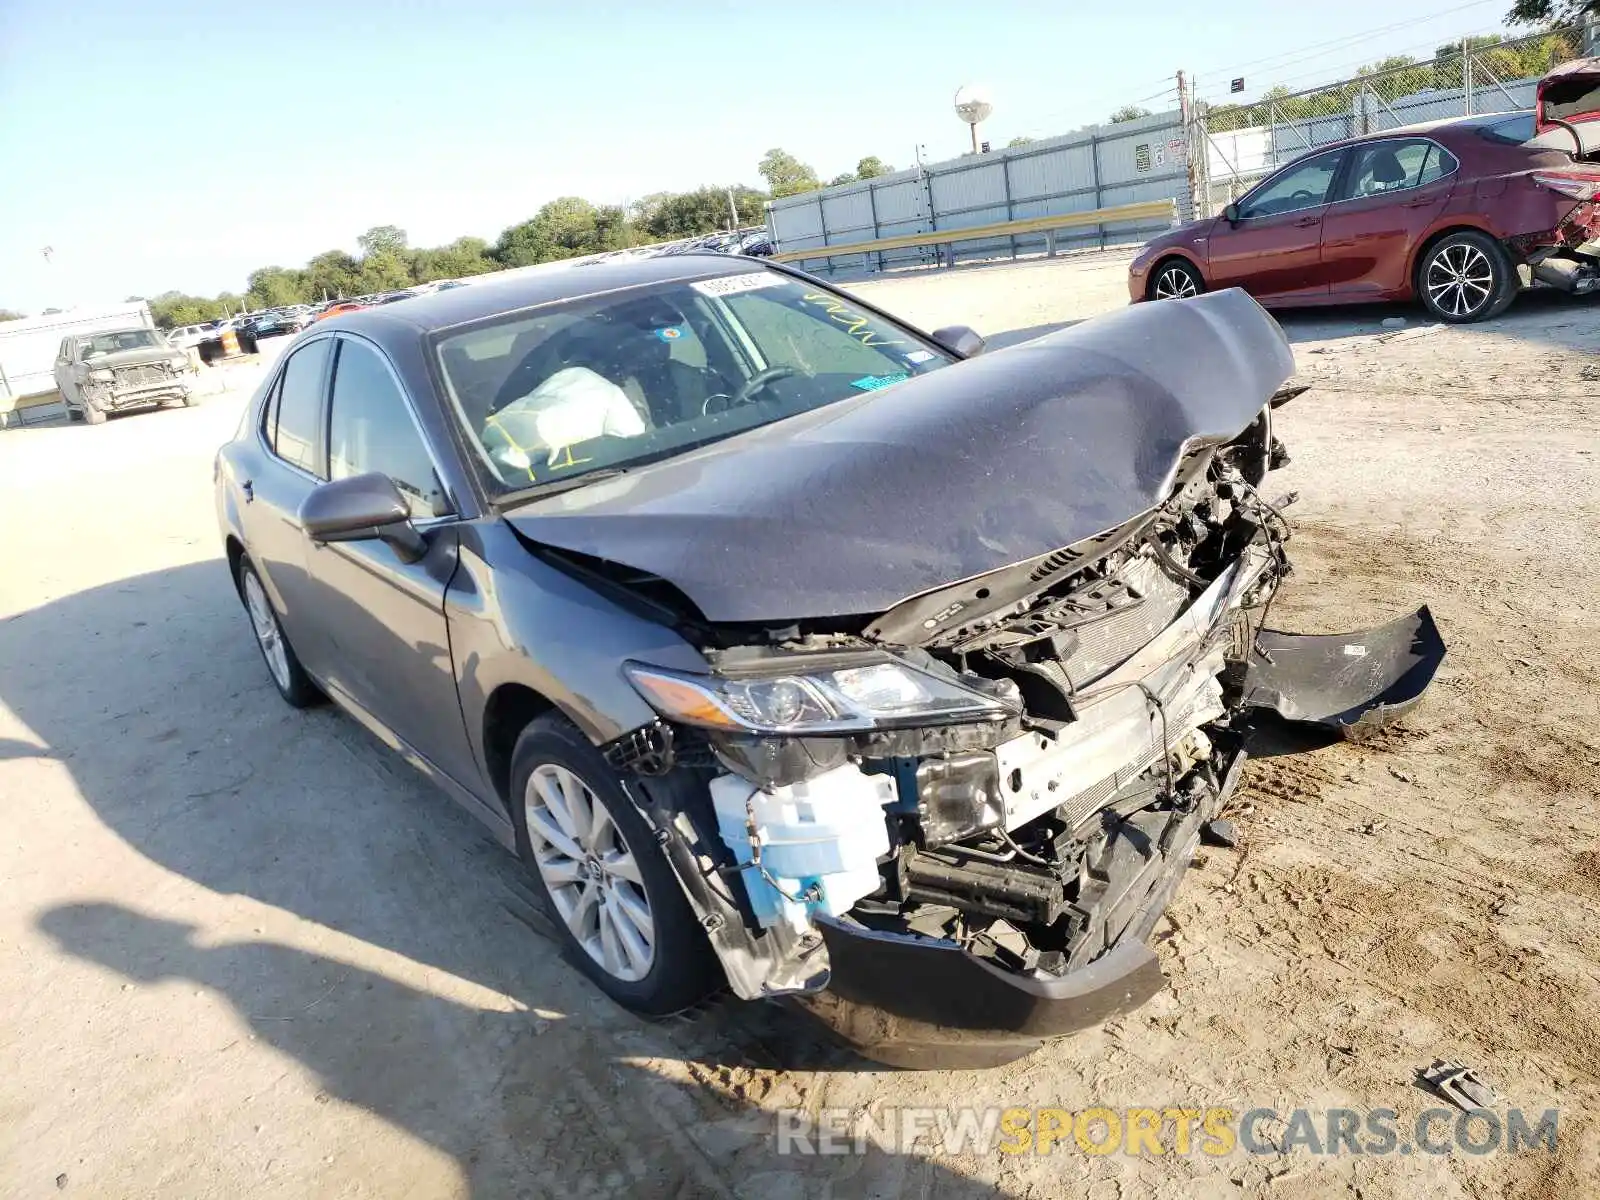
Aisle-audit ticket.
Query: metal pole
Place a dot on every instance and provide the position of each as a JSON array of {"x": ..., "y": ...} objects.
[
  {"x": 1466, "y": 76},
  {"x": 1094, "y": 173},
  {"x": 733, "y": 212},
  {"x": 1005, "y": 179},
  {"x": 872, "y": 207},
  {"x": 973, "y": 129}
]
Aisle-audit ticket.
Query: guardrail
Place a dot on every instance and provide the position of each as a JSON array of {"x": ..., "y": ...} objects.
[{"x": 1144, "y": 210}]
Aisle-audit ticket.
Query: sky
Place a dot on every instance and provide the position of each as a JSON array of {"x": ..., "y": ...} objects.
[{"x": 181, "y": 145}]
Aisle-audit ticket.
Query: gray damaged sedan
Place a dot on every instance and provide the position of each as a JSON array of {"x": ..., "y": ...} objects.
[{"x": 796, "y": 651}]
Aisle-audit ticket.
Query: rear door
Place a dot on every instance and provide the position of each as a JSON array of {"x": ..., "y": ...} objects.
[
  {"x": 1386, "y": 201},
  {"x": 1274, "y": 249},
  {"x": 291, "y": 435}
]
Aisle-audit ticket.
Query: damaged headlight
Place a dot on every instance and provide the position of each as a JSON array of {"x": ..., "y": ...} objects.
[
  {"x": 103, "y": 375},
  {"x": 874, "y": 694}
]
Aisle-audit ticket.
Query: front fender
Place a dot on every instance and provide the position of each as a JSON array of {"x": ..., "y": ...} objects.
[{"x": 514, "y": 619}]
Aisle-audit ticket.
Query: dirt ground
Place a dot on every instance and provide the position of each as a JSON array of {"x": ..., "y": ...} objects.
[{"x": 245, "y": 952}]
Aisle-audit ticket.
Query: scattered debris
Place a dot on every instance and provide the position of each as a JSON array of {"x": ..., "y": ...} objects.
[
  {"x": 61, "y": 1181},
  {"x": 1406, "y": 335},
  {"x": 1393, "y": 322},
  {"x": 1399, "y": 774},
  {"x": 1461, "y": 1085},
  {"x": 1220, "y": 832},
  {"x": 1372, "y": 827}
]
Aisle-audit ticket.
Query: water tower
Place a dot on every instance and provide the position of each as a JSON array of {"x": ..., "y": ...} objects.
[{"x": 973, "y": 105}]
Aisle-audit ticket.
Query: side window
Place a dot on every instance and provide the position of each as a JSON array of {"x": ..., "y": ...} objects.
[
  {"x": 1302, "y": 186},
  {"x": 1440, "y": 163},
  {"x": 1385, "y": 167},
  {"x": 297, "y": 406},
  {"x": 370, "y": 428}
]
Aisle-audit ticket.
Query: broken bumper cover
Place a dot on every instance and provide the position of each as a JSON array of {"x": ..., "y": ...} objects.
[
  {"x": 1353, "y": 683},
  {"x": 912, "y": 1001}
]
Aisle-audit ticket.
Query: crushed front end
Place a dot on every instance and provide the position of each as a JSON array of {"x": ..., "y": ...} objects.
[{"x": 950, "y": 830}]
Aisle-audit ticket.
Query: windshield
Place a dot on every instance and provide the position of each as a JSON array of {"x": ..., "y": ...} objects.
[
  {"x": 123, "y": 339},
  {"x": 614, "y": 380}
]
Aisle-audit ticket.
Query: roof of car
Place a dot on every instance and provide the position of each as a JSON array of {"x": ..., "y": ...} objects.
[{"x": 532, "y": 286}]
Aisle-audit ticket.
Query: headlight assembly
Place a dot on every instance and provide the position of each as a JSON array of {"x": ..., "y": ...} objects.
[
  {"x": 101, "y": 376},
  {"x": 803, "y": 700}
]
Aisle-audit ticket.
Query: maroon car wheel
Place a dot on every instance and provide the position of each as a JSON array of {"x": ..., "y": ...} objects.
[
  {"x": 1175, "y": 280},
  {"x": 1466, "y": 276}
]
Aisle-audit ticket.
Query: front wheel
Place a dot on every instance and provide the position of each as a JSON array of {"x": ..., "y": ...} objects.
[
  {"x": 93, "y": 415},
  {"x": 616, "y": 903},
  {"x": 1465, "y": 277},
  {"x": 1176, "y": 280}
]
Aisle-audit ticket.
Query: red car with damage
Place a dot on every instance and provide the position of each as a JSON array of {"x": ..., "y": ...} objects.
[{"x": 1459, "y": 214}]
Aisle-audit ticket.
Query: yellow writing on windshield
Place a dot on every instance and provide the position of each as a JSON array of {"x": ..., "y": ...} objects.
[{"x": 857, "y": 324}]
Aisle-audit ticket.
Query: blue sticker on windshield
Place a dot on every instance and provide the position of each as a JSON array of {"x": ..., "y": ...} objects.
[
  {"x": 670, "y": 334},
  {"x": 871, "y": 383}
]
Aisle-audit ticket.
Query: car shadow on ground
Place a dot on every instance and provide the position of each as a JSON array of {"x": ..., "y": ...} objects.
[
  {"x": 1540, "y": 315},
  {"x": 162, "y": 711},
  {"x": 525, "y": 1104}
]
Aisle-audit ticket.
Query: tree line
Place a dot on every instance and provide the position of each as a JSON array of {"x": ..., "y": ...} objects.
[{"x": 567, "y": 227}]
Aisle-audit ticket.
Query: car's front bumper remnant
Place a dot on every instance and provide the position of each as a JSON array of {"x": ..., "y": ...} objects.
[
  {"x": 1355, "y": 683},
  {"x": 912, "y": 1001}
]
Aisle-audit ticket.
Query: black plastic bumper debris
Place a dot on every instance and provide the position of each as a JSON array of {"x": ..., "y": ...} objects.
[{"x": 1355, "y": 683}]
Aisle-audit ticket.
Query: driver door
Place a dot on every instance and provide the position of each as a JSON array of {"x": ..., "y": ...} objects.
[{"x": 1274, "y": 250}]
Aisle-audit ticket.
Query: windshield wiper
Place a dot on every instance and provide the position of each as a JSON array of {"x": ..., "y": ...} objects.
[{"x": 554, "y": 487}]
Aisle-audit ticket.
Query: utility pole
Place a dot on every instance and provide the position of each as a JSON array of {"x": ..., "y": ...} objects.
[
  {"x": 1466, "y": 77},
  {"x": 733, "y": 212}
]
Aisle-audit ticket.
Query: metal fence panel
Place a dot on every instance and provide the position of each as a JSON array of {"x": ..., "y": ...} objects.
[
  {"x": 1243, "y": 143},
  {"x": 1094, "y": 168}
]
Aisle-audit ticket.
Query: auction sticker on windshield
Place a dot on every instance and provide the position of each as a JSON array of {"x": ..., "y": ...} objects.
[{"x": 732, "y": 285}]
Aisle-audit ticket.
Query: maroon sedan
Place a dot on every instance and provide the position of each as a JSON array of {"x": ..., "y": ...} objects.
[{"x": 1448, "y": 213}]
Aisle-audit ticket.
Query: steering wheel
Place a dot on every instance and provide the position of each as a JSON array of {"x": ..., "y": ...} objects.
[
  {"x": 722, "y": 402},
  {"x": 1304, "y": 195}
]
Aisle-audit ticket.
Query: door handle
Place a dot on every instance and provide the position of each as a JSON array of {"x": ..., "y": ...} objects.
[
  {"x": 1307, "y": 222},
  {"x": 249, "y": 490}
]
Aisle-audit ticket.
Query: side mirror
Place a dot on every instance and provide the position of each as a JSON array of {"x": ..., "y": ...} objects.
[
  {"x": 362, "y": 508},
  {"x": 1231, "y": 214},
  {"x": 961, "y": 340}
]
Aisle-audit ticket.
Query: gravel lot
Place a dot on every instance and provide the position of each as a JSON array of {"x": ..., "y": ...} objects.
[{"x": 243, "y": 951}]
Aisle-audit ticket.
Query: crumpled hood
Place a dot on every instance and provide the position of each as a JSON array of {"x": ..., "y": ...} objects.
[
  {"x": 133, "y": 358},
  {"x": 853, "y": 507}
]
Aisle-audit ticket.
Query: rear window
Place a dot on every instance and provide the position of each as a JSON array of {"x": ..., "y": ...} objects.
[{"x": 1512, "y": 131}]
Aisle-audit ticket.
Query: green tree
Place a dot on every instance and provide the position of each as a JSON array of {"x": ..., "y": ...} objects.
[
  {"x": 566, "y": 227},
  {"x": 7, "y": 314},
  {"x": 274, "y": 287},
  {"x": 1128, "y": 112},
  {"x": 462, "y": 257},
  {"x": 1550, "y": 12},
  {"x": 384, "y": 271},
  {"x": 332, "y": 274},
  {"x": 845, "y": 177},
  {"x": 1019, "y": 141},
  {"x": 382, "y": 238},
  {"x": 786, "y": 175},
  {"x": 663, "y": 216},
  {"x": 871, "y": 167}
]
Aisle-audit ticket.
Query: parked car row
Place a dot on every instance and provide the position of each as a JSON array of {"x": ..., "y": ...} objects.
[{"x": 1459, "y": 215}]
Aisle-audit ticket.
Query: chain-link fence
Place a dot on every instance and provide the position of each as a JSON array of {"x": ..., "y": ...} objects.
[{"x": 1240, "y": 143}]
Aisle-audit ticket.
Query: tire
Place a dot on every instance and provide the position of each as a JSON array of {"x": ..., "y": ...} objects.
[
  {"x": 74, "y": 414},
  {"x": 283, "y": 665},
  {"x": 190, "y": 400},
  {"x": 1466, "y": 276},
  {"x": 1175, "y": 279},
  {"x": 92, "y": 415},
  {"x": 619, "y": 909}
]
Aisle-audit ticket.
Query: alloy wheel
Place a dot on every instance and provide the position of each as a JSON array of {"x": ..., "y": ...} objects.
[
  {"x": 1175, "y": 283},
  {"x": 1460, "y": 279},
  {"x": 268, "y": 632},
  {"x": 590, "y": 872}
]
